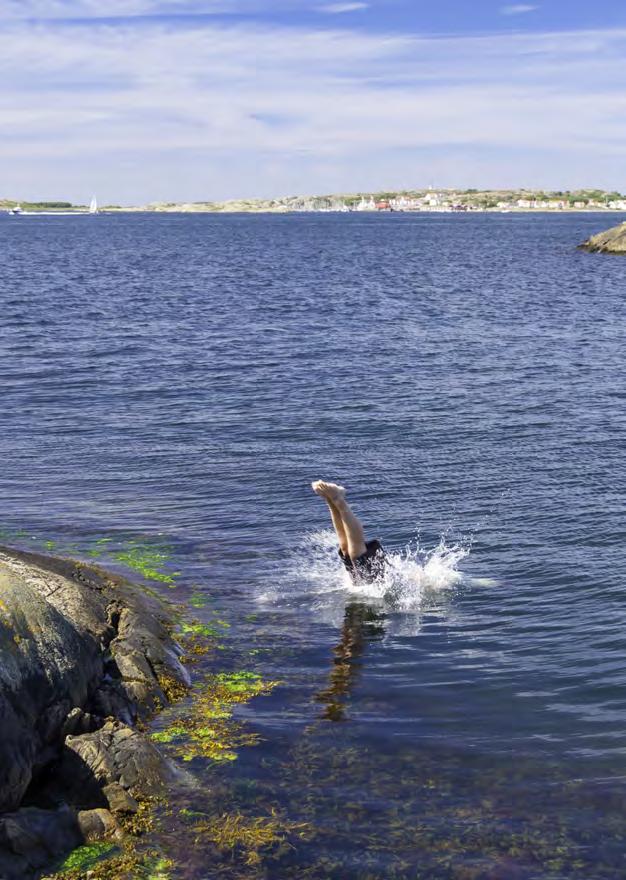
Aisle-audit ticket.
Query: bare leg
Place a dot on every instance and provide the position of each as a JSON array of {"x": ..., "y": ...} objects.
[
  {"x": 353, "y": 528},
  {"x": 351, "y": 534},
  {"x": 339, "y": 528}
]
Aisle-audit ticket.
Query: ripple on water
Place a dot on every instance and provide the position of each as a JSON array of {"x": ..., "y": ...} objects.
[{"x": 183, "y": 379}]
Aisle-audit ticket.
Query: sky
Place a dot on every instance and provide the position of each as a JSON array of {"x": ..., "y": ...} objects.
[{"x": 192, "y": 100}]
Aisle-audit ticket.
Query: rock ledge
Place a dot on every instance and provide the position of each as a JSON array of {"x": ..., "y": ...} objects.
[
  {"x": 84, "y": 657},
  {"x": 611, "y": 241}
]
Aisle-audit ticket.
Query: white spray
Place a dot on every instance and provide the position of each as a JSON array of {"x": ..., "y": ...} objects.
[{"x": 314, "y": 569}]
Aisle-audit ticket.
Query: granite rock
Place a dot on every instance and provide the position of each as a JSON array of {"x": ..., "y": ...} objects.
[
  {"x": 611, "y": 241},
  {"x": 84, "y": 655}
]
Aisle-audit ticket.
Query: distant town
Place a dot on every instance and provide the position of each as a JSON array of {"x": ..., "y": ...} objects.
[
  {"x": 425, "y": 200},
  {"x": 429, "y": 200}
]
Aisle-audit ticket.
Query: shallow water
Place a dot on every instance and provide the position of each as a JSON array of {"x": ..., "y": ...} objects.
[{"x": 170, "y": 387}]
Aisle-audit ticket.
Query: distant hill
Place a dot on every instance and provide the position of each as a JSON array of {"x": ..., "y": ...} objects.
[
  {"x": 391, "y": 200},
  {"x": 420, "y": 199},
  {"x": 39, "y": 206}
]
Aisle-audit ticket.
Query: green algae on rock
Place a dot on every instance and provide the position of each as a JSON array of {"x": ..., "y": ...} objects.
[
  {"x": 146, "y": 556},
  {"x": 86, "y": 857},
  {"x": 129, "y": 864},
  {"x": 148, "y": 561},
  {"x": 611, "y": 241},
  {"x": 84, "y": 659}
]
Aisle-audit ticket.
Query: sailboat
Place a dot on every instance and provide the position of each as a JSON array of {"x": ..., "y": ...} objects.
[{"x": 18, "y": 211}]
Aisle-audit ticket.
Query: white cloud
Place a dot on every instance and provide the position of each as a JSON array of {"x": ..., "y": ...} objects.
[
  {"x": 152, "y": 112},
  {"x": 518, "y": 9},
  {"x": 78, "y": 9},
  {"x": 120, "y": 9},
  {"x": 339, "y": 8}
]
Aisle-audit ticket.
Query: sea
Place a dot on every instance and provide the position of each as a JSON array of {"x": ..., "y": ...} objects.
[{"x": 171, "y": 385}]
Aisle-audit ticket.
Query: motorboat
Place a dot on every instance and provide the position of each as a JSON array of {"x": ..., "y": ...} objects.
[{"x": 18, "y": 211}]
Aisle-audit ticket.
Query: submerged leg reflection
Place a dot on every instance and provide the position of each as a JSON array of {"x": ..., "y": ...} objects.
[{"x": 362, "y": 624}]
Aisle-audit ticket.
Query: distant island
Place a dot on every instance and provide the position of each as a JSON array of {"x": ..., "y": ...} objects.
[{"x": 429, "y": 200}]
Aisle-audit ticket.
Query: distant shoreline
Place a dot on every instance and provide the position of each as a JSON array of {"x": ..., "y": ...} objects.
[
  {"x": 293, "y": 211},
  {"x": 424, "y": 201}
]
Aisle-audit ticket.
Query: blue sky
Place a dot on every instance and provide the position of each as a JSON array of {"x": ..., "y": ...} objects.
[{"x": 144, "y": 100}]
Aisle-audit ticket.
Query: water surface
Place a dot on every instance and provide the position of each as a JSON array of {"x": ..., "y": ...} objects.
[{"x": 175, "y": 382}]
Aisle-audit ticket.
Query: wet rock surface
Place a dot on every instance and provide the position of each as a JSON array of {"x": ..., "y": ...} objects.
[
  {"x": 114, "y": 755},
  {"x": 84, "y": 656},
  {"x": 611, "y": 241}
]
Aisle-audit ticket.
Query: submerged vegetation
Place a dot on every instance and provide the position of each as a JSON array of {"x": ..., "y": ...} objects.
[
  {"x": 300, "y": 813},
  {"x": 235, "y": 834},
  {"x": 148, "y": 560},
  {"x": 126, "y": 864},
  {"x": 146, "y": 556},
  {"x": 205, "y": 728},
  {"x": 202, "y": 727},
  {"x": 208, "y": 729},
  {"x": 86, "y": 857},
  {"x": 126, "y": 859}
]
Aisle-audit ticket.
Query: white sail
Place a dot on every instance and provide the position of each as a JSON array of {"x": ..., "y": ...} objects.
[{"x": 93, "y": 207}]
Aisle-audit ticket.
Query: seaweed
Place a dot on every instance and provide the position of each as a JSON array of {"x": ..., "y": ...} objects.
[
  {"x": 148, "y": 560},
  {"x": 85, "y": 857},
  {"x": 128, "y": 865},
  {"x": 145, "y": 556},
  {"x": 209, "y": 729},
  {"x": 249, "y": 837}
]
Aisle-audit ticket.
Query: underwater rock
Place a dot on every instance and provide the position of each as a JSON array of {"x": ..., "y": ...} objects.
[
  {"x": 97, "y": 825},
  {"x": 83, "y": 656},
  {"x": 119, "y": 800},
  {"x": 611, "y": 241}
]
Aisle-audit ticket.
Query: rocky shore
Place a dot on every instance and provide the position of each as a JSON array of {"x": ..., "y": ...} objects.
[
  {"x": 611, "y": 241},
  {"x": 85, "y": 659}
]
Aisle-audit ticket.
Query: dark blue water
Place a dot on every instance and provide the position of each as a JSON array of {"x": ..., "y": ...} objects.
[{"x": 178, "y": 381}]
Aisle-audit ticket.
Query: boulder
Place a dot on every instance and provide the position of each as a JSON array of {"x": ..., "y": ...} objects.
[
  {"x": 612, "y": 241},
  {"x": 120, "y": 802},
  {"x": 84, "y": 655},
  {"x": 32, "y": 838},
  {"x": 115, "y": 754},
  {"x": 48, "y": 667},
  {"x": 97, "y": 825}
]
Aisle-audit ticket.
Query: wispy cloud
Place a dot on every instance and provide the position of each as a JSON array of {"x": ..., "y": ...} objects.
[
  {"x": 214, "y": 110},
  {"x": 340, "y": 8},
  {"x": 518, "y": 9},
  {"x": 120, "y": 9}
]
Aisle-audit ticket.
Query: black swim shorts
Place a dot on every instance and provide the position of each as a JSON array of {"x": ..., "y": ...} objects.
[{"x": 369, "y": 565}]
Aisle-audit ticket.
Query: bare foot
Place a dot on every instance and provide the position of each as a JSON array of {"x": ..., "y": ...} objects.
[{"x": 330, "y": 491}]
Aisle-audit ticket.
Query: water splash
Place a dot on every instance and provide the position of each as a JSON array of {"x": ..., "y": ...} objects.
[
  {"x": 411, "y": 574},
  {"x": 415, "y": 572}
]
